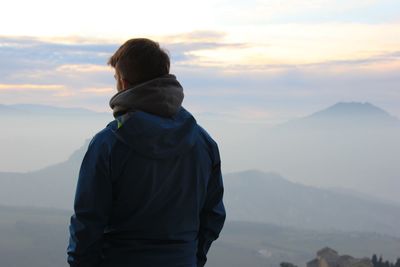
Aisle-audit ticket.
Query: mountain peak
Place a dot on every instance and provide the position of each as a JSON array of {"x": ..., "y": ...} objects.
[
  {"x": 344, "y": 115},
  {"x": 353, "y": 109},
  {"x": 354, "y": 114}
]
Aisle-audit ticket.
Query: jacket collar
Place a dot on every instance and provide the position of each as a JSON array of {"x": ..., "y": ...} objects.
[{"x": 161, "y": 96}]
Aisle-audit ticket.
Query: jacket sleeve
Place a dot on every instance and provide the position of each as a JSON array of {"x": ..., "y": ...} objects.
[
  {"x": 92, "y": 205},
  {"x": 212, "y": 216}
]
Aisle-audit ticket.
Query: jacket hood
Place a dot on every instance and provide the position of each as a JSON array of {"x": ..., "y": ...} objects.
[
  {"x": 157, "y": 137},
  {"x": 161, "y": 96}
]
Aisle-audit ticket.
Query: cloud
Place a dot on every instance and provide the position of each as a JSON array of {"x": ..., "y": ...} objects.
[
  {"x": 235, "y": 91},
  {"x": 30, "y": 53},
  {"x": 84, "y": 55},
  {"x": 183, "y": 47},
  {"x": 293, "y": 89},
  {"x": 83, "y": 68},
  {"x": 195, "y": 37},
  {"x": 29, "y": 87},
  {"x": 99, "y": 91}
]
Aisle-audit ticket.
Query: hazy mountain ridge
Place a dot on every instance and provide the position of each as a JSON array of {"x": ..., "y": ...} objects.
[
  {"x": 320, "y": 155},
  {"x": 36, "y": 136},
  {"x": 266, "y": 197},
  {"x": 9, "y": 110},
  {"x": 249, "y": 196},
  {"x": 345, "y": 114},
  {"x": 47, "y": 110},
  {"x": 360, "y": 195},
  {"x": 53, "y": 186},
  {"x": 318, "y": 150}
]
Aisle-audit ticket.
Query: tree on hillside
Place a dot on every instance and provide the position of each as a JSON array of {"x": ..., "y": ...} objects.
[
  {"x": 374, "y": 260},
  {"x": 380, "y": 263},
  {"x": 287, "y": 264}
]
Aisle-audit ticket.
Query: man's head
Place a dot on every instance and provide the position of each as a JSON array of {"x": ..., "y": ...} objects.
[{"x": 138, "y": 60}]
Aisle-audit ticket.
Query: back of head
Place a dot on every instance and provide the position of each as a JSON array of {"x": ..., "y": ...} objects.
[{"x": 139, "y": 60}]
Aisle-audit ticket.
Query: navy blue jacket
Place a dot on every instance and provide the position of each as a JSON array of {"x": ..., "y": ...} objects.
[{"x": 149, "y": 194}]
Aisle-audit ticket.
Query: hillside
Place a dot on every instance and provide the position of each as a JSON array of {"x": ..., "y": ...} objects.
[
  {"x": 267, "y": 197},
  {"x": 249, "y": 196},
  {"x": 38, "y": 238},
  {"x": 351, "y": 145}
]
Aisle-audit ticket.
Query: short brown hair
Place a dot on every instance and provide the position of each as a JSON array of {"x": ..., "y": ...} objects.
[{"x": 139, "y": 60}]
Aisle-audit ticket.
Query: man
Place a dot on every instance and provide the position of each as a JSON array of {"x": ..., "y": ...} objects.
[{"x": 150, "y": 190}]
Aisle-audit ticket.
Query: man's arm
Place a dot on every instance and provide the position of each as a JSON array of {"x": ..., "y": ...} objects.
[
  {"x": 92, "y": 206},
  {"x": 212, "y": 216}
]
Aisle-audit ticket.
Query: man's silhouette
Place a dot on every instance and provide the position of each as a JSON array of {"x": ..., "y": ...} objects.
[{"x": 149, "y": 192}]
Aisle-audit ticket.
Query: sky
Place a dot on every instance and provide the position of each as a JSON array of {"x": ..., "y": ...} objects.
[{"x": 239, "y": 60}]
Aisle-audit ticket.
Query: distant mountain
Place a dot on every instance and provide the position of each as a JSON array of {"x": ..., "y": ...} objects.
[
  {"x": 351, "y": 145},
  {"x": 250, "y": 196},
  {"x": 347, "y": 114},
  {"x": 9, "y": 110},
  {"x": 353, "y": 109},
  {"x": 35, "y": 109},
  {"x": 53, "y": 186},
  {"x": 36, "y": 136},
  {"x": 267, "y": 197},
  {"x": 365, "y": 160}
]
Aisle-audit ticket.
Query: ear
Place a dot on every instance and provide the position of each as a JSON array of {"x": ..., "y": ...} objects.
[{"x": 125, "y": 84}]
